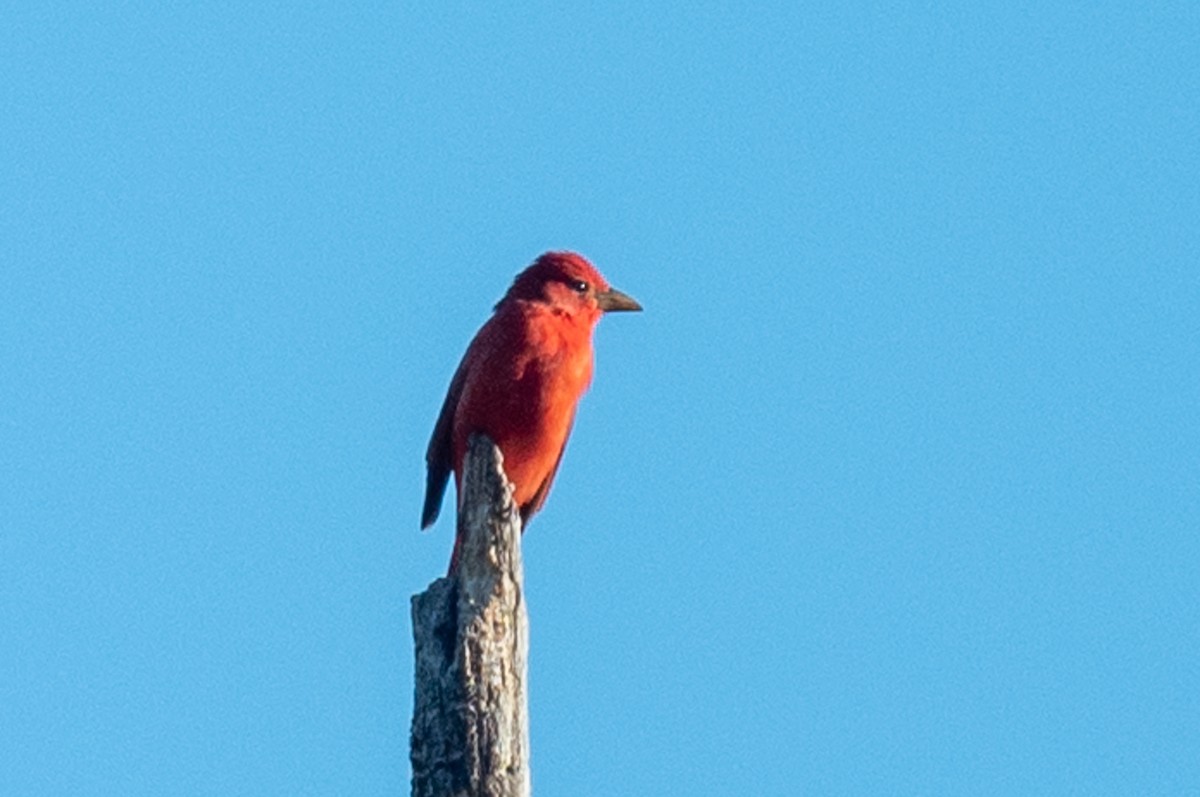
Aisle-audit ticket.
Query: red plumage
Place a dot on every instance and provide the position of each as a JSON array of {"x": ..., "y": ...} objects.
[{"x": 521, "y": 379}]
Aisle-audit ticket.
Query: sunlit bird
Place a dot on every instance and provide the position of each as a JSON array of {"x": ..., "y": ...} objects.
[{"x": 521, "y": 379}]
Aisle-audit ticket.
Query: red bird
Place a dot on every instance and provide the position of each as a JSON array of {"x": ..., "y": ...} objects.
[{"x": 520, "y": 380}]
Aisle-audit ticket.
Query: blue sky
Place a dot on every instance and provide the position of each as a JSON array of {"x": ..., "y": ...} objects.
[{"x": 893, "y": 489}]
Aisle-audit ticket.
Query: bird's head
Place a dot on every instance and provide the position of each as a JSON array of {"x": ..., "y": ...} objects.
[{"x": 571, "y": 285}]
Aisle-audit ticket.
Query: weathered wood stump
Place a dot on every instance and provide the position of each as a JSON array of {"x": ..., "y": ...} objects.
[{"x": 470, "y": 729}]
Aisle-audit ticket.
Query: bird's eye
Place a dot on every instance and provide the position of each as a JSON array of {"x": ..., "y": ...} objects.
[{"x": 579, "y": 286}]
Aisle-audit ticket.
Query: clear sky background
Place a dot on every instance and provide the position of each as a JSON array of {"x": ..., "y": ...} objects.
[{"x": 893, "y": 489}]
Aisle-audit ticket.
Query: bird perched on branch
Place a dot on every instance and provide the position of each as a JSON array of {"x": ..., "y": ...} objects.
[{"x": 520, "y": 380}]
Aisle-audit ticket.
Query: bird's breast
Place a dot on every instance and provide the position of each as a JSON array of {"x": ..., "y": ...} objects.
[{"x": 524, "y": 380}]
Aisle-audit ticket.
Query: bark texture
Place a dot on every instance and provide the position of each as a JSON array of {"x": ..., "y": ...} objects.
[{"x": 470, "y": 731}]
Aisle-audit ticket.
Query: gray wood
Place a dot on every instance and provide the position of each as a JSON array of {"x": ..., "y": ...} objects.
[{"x": 470, "y": 729}]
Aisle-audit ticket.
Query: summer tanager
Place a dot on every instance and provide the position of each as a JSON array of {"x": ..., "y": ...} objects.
[{"x": 520, "y": 380}]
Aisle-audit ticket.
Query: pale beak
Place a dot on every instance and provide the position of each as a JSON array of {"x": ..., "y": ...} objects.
[{"x": 613, "y": 301}]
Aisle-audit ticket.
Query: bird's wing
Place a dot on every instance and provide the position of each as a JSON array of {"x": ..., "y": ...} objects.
[
  {"x": 534, "y": 504},
  {"x": 439, "y": 457}
]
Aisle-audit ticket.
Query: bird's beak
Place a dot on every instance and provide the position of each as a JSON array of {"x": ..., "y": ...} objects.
[{"x": 612, "y": 301}]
